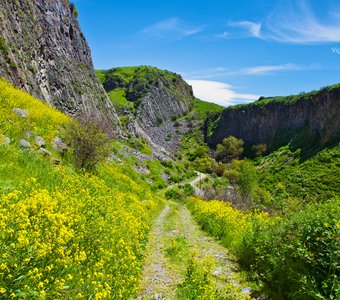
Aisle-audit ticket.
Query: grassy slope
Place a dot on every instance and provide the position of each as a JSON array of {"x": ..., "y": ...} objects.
[
  {"x": 66, "y": 234},
  {"x": 127, "y": 75},
  {"x": 312, "y": 178},
  {"x": 204, "y": 108}
]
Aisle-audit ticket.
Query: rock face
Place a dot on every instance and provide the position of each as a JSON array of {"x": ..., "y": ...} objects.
[
  {"x": 160, "y": 105},
  {"x": 154, "y": 100},
  {"x": 299, "y": 121},
  {"x": 43, "y": 51}
]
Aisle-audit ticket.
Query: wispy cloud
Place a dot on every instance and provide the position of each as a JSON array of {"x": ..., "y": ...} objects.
[
  {"x": 223, "y": 35},
  {"x": 299, "y": 24},
  {"x": 293, "y": 21},
  {"x": 171, "y": 28},
  {"x": 206, "y": 74},
  {"x": 252, "y": 28},
  {"x": 256, "y": 70},
  {"x": 219, "y": 92},
  {"x": 259, "y": 70}
]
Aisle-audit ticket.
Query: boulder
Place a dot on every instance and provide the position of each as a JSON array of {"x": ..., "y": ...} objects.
[
  {"x": 24, "y": 113},
  {"x": 24, "y": 144},
  {"x": 58, "y": 144},
  {"x": 39, "y": 141},
  {"x": 45, "y": 152}
]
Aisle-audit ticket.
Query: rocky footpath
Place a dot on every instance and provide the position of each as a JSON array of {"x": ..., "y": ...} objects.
[
  {"x": 300, "y": 121},
  {"x": 43, "y": 51}
]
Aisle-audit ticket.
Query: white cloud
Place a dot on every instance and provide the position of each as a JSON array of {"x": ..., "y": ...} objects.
[
  {"x": 257, "y": 70},
  {"x": 223, "y": 35},
  {"x": 297, "y": 23},
  {"x": 172, "y": 28},
  {"x": 268, "y": 69},
  {"x": 207, "y": 73},
  {"x": 292, "y": 21},
  {"x": 219, "y": 92},
  {"x": 253, "y": 28}
]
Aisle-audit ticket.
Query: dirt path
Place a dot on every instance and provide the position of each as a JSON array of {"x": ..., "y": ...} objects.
[
  {"x": 174, "y": 239},
  {"x": 198, "y": 191}
]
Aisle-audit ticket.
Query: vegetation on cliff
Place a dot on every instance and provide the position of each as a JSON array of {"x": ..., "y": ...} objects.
[{"x": 127, "y": 85}]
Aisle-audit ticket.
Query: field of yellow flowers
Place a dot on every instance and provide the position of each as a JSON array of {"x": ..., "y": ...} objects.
[
  {"x": 291, "y": 257},
  {"x": 65, "y": 234}
]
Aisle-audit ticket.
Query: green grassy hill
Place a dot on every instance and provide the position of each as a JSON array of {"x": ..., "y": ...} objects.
[
  {"x": 127, "y": 85},
  {"x": 66, "y": 234}
]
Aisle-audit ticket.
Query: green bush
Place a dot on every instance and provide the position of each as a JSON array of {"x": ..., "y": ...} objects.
[
  {"x": 88, "y": 142},
  {"x": 295, "y": 257}
]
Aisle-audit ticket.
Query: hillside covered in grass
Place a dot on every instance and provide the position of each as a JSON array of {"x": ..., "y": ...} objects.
[
  {"x": 126, "y": 86},
  {"x": 66, "y": 234}
]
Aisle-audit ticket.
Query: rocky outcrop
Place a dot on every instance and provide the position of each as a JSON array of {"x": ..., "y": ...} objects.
[
  {"x": 299, "y": 121},
  {"x": 156, "y": 98},
  {"x": 160, "y": 105},
  {"x": 43, "y": 51}
]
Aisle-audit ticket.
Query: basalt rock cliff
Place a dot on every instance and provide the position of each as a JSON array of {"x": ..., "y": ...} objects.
[
  {"x": 44, "y": 52},
  {"x": 307, "y": 120},
  {"x": 151, "y": 100}
]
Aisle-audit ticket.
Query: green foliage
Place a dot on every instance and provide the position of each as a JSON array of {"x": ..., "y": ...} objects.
[
  {"x": 13, "y": 66},
  {"x": 180, "y": 192},
  {"x": 309, "y": 178},
  {"x": 198, "y": 282},
  {"x": 298, "y": 255},
  {"x": 247, "y": 181},
  {"x": 65, "y": 234},
  {"x": 133, "y": 83},
  {"x": 177, "y": 248},
  {"x": 295, "y": 257},
  {"x": 231, "y": 148},
  {"x": 205, "y": 109},
  {"x": 205, "y": 164},
  {"x": 259, "y": 149},
  {"x": 119, "y": 100},
  {"x": 88, "y": 142}
]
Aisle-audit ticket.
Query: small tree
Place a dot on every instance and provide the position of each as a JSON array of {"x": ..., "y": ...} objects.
[
  {"x": 231, "y": 148},
  {"x": 259, "y": 149},
  {"x": 247, "y": 180},
  {"x": 88, "y": 141}
]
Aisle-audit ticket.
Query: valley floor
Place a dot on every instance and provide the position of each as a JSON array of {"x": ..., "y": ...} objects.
[{"x": 177, "y": 249}]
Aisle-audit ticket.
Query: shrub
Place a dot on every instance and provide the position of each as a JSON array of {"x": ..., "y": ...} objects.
[
  {"x": 88, "y": 141},
  {"x": 295, "y": 257}
]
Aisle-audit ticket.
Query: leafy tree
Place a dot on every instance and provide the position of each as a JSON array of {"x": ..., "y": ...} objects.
[
  {"x": 201, "y": 151},
  {"x": 259, "y": 149},
  {"x": 205, "y": 164},
  {"x": 231, "y": 148}
]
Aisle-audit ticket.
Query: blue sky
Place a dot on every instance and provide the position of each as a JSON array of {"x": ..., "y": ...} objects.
[{"x": 229, "y": 51}]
